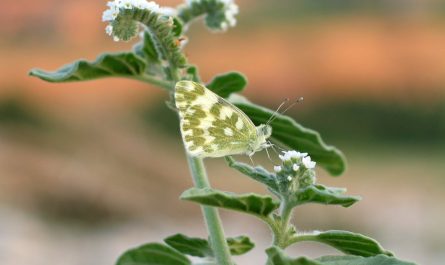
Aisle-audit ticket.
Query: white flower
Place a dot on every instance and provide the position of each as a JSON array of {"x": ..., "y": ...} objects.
[
  {"x": 288, "y": 155},
  {"x": 277, "y": 168},
  {"x": 295, "y": 167},
  {"x": 308, "y": 163},
  {"x": 114, "y": 6},
  {"x": 289, "y": 178}
]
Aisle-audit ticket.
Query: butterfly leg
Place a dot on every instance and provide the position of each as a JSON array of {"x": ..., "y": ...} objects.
[
  {"x": 251, "y": 160},
  {"x": 268, "y": 155}
]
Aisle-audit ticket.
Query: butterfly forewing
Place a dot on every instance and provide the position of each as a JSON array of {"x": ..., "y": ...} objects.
[{"x": 211, "y": 126}]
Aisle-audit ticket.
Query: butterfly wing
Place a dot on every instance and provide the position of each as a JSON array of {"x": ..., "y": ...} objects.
[{"x": 210, "y": 125}]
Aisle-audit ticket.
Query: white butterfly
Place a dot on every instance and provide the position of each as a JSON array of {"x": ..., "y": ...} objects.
[{"x": 213, "y": 127}]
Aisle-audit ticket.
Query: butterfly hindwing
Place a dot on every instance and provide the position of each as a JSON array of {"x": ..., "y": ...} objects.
[{"x": 211, "y": 126}]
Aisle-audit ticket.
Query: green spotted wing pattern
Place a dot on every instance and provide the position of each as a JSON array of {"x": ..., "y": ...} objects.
[{"x": 211, "y": 126}]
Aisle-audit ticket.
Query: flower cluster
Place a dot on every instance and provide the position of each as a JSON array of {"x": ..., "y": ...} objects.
[
  {"x": 224, "y": 12},
  {"x": 296, "y": 166},
  {"x": 116, "y": 6}
]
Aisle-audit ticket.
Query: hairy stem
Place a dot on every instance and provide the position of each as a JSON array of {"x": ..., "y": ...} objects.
[{"x": 211, "y": 216}]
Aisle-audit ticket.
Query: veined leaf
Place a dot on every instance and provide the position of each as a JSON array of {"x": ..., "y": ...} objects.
[
  {"x": 277, "y": 257},
  {"x": 257, "y": 173},
  {"x": 348, "y": 242},
  {"x": 324, "y": 195},
  {"x": 291, "y": 134},
  {"x": 260, "y": 206},
  {"x": 356, "y": 260},
  {"x": 199, "y": 247},
  {"x": 106, "y": 65},
  {"x": 153, "y": 254},
  {"x": 228, "y": 83}
]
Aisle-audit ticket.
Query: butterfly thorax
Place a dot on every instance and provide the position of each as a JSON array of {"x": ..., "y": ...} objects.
[{"x": 260, "y": 142}]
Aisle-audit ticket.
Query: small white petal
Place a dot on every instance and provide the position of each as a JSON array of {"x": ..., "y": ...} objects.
[
  {"x": 289, "y": 178},
  {"x": 295, "y": 167},
  {"x": 308, "y": 163},
  {"x": 277, "y": 168}
]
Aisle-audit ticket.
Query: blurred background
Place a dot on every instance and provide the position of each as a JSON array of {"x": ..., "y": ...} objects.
[{"x": 90, "y": 169}]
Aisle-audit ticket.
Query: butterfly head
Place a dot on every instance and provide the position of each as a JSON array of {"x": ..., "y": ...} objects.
[{"x": 264, "y": 131}]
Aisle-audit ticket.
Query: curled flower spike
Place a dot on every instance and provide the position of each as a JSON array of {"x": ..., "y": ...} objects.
[{"x": 219, "y": 14}]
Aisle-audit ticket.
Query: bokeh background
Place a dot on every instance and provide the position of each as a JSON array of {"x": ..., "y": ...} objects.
[{"x": 90, "y": 169}]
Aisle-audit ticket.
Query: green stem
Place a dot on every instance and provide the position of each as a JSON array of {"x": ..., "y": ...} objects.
[{"x": 211, "y": 216}]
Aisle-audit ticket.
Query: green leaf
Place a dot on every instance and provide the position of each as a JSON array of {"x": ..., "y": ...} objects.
[
  {"x": 193, "y": 74},
  {"x": 240, "y": 245},
  {"x": 348, "y": 242},
  {"x": 257, "y": 173},
  {"x": 106, "y": 65},
  {"x": 260, "y": 206},
  {"x": 356, "y": 260},
  {"x": 147, "y": 49},
  {"x": 277, "y": 257},
  {"x": 324, "y": 195},
  {"x": 291, "y": 134},
  {"x": 192, "y": 246},
  {"x": 199, "y": 247},
  {"x": 227, "y": 83},
  {"x": 153, "y": 254}
]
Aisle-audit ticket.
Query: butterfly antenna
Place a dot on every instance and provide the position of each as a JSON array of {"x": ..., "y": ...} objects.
[
  {"x": 300, "y": 99},
  {"x": 277, "y": 111}
]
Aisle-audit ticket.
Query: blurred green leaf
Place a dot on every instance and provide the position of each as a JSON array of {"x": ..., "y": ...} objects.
[
  {"x": 192, "y": 246},
  {"x": 348, "y": 242},
  {"x": 153, "y": 254},
  {"x": 291, "y": 134},
  {"x": 324, "y": 195},
  {"x": 240, "y": 245},
  {"x": 260, "y": 206},
  {"x": 228, "y": 83},
  {"x": 199, "y": 247},
  {"x": 356, "y": 260},
  {"x": 277, "y": 257},
  {"x": 257, "y": 173}
]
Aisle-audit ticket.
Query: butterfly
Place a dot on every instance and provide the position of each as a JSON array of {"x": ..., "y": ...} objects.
[{"x": 213, "y": 127}]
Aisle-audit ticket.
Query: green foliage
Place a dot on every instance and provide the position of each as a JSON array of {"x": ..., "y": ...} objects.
[
  {"x": 240, "y": 245},
  {"x": 228, "y": 83},
  {"x": 277, "y": 257},
  {"x": 256, "y": 173},
  {"x": 212, "y": 10},
  {"x": 347, "y": 242},
  {"x": 153, "y": 254},
  {"x": 324, "y": 195},
  {"x": 289, "y": 133},
  {"x": 124, "y": 64},
  {"x": 199, "y": 247},
  {"x": 356, "y": 260},
  {"x": 260, "y": 206}
]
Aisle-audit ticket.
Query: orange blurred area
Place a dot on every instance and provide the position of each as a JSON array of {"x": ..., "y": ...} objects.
[{"x": 89, "y": 169}]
